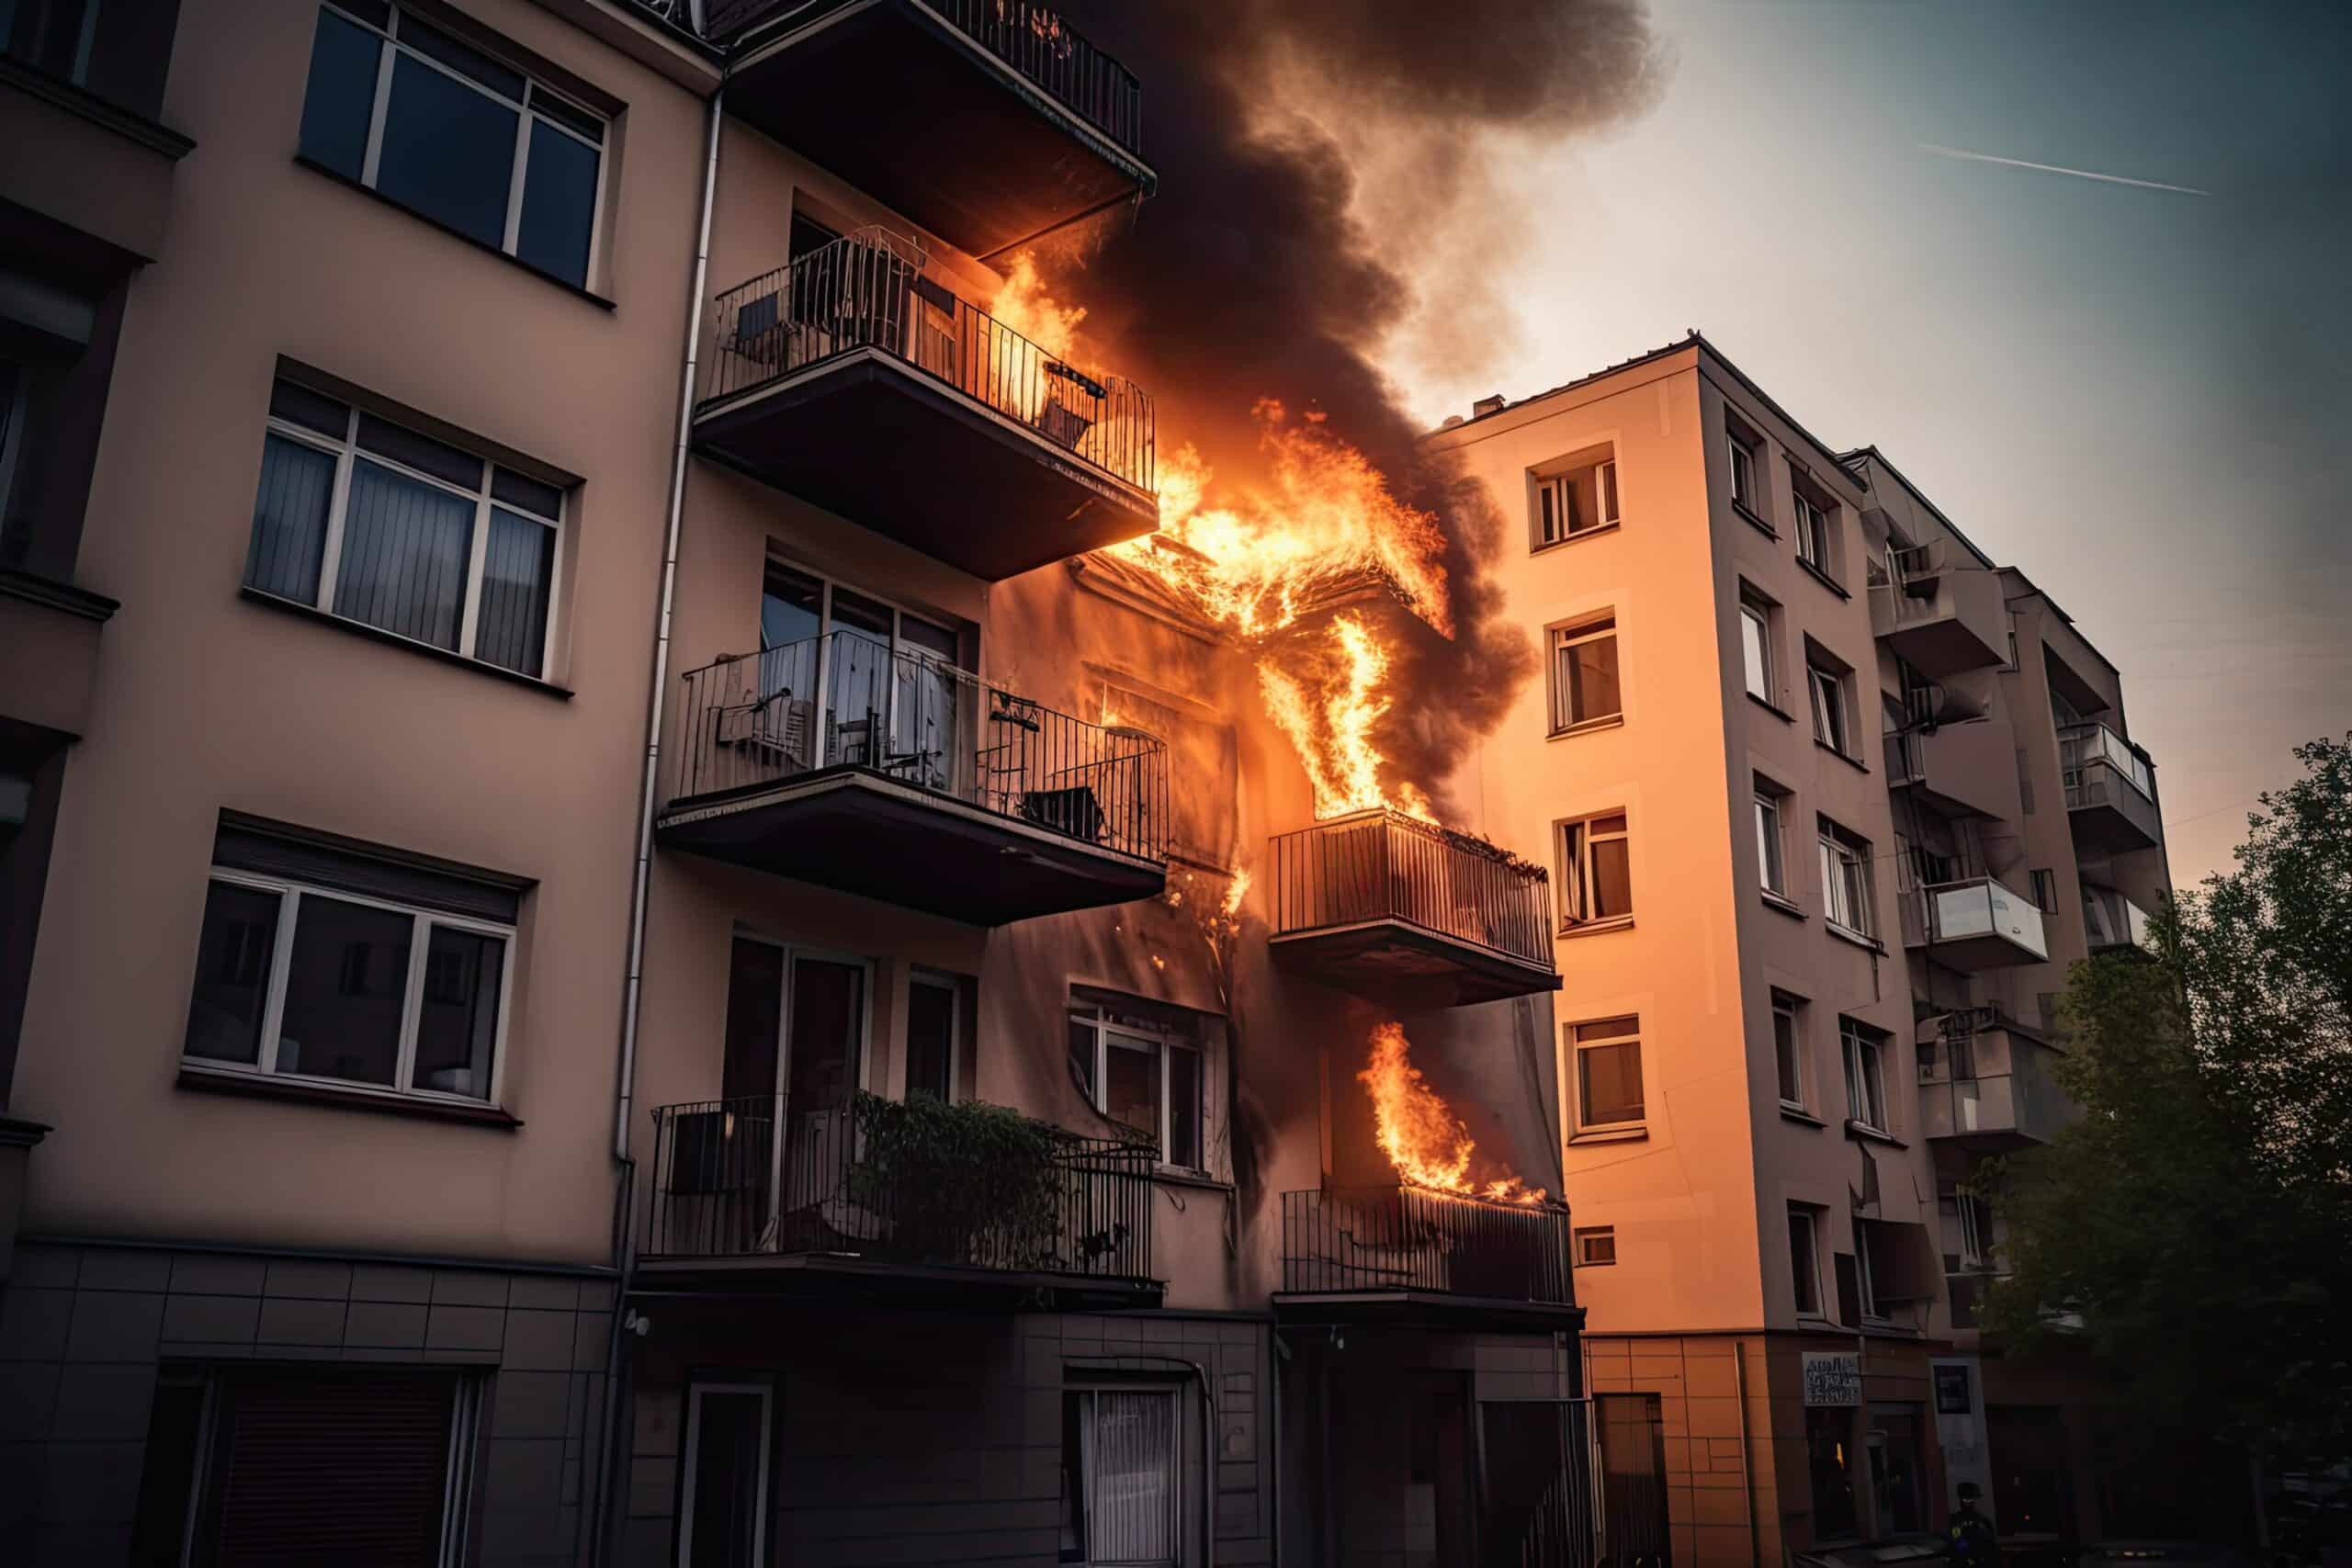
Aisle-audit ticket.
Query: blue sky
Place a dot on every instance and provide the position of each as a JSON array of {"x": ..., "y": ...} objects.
[{"x": 2144, "y": 398}]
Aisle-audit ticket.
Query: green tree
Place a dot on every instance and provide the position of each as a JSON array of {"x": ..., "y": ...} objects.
[{"x": 2193, "y": 1230}]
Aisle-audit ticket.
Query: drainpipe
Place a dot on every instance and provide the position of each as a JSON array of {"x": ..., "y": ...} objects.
[{"x": 641, "y": 883}]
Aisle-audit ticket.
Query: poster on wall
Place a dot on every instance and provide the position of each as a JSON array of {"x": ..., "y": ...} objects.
[
  {"x": 1833, "y": 1377},
  {"x": 1951, "y": 1389}
]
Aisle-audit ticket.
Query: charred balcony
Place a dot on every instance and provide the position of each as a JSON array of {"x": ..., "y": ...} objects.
[
  {"x": 850, "y": 378},
  {"x": 1940, "y": 610},
  {"x": 2110, "y": 790},
  {"x": 1973, "y": 924},
  {"x": 1380, "y": 899},
  {"x": 1986, "y": 1085},
  {"x": 1401, "y": 1253},
  {"x": 889, "y": 773},
  {"x": 839, "y": 1198},
  {"x": 1025, "y": 124}
]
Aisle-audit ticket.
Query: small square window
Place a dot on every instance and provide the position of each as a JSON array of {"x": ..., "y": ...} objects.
[{"x": 1597, "y": 1246}]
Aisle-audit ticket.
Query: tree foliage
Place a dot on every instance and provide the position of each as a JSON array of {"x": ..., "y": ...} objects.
[{"x": 2194, "y": 1228}]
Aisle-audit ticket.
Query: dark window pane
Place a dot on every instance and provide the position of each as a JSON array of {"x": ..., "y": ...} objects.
[
  {"x": 233, "y": 961},
  {"x": 563, "y": 112},
  {"x": 341, "y": 98},
  {"x": 1185, "y": 1107},
  {"x": 828, "y": 1026},
  {"x": 448, "y": 152},
  {"x": 517, "y": 581},
  {"x": 346, "y": 986},
  {"x": 1612, "y": 880},
  {"x": 792, "y": 607},
  {"x": 290, "y": 519},
  {"x": 461, "y": 58},
  {"x": 931, "y": 1041},
  {"x": 1131, "y": 1092},
  {"x": 1805, "y": 1263},
  {"x": 526, "y": 494},
  {"x": 754, "y": 1020},
  {"x": 1591, "y": 675},
  {"x": 559, "y": 204},
  {"x": 404, "y": 547},
  {"x": 1612, "y": 1083},
  {"x": 1082, "y": 1053},
  {"x": 728, "y": 1485},
  {"x": 1829, "y": 1452},
  {"x": 422, "y": 453},
  {"x": 314, "y": 411},
  {"x": 456, "y": 1025}
]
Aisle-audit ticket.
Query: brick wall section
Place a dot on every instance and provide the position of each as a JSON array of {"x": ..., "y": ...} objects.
[
  {"x": 82, "y": 1330},
  {"x": 936, "y": 1437}
]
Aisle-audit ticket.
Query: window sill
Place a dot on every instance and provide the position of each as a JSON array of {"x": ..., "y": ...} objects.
[
  {"x": 310, "y": 1091},
  {"x": 34, "y": 589},
  {"x": 1595, "y": 928},
  {"x": 1578, "y": 537},
  {"x": 1823, "y": 577},
  {"x": 339, "y": 177},
  {"x": 1784, "y": 904},
  {"x": 378, "y": 634},
  {"x": 1844, "y": 756},
  {"x": 1628, "y": 1135},
  {"x": 1797, "y": 1113},
  {"x": 127, "y": 123},
  {"x": 1607, "y": 721},
  {"x": 1756, "y": 518},
  {"x": 1867, "y": 943},
  {"x": 1181, "y": 1175},
  {"x": 1775, "y": 709},
  {"x": 1869, "y": 1133}
]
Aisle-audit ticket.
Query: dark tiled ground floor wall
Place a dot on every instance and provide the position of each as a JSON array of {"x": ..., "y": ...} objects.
[
  {"x": 84, "y": 1329},
  {"x": 935, "y": 1436}
]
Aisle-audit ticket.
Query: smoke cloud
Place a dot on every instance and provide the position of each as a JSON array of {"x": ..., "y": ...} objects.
[{"x": 1313, "y": 154}]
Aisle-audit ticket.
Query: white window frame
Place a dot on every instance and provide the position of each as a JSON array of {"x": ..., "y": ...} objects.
[
  {"x": 1812, "y": 533},
  {"x": 526, "y": 117},
  {"x": 1792, "y": 1008},
  {"x": 290, "y": 894},
  {"x": 1089, "y": 1015},
  {"x": 1771, "y": 843},
  {"x": 1812, "y": 1274},
  {"x": 347, "y": 453},
  {"x": 1579, "y": 1045},
  {"x": 1865, "y": 1059},
  {"x": 1760, "y": 616},
  {"x": 1551, "y": 494},
  {"x": 1976, "y": 1240},
  {"x": 1577, "y": 839},
  {"x": 1865, "y": 1290},
  {"x": 1846, "y": 892},
  {"x": 937, "y": 981},
  {"x": 1179, "y": 1477},
  {"x": 1742, "y": 468},
  {"x": 695, "y": 1390},
  {"x": 1600, "y": 627},
  {"x": 1832, "y": 724},
  {"x": 1590, "y": 1233}
]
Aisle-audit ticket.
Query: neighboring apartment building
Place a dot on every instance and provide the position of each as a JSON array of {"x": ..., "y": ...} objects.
[
  {"x": 1785, "y": 1040},
  {"x": 460, "y": 1131}
]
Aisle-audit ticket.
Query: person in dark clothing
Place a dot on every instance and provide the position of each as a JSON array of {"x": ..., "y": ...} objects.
[{"x": 1971, "y": 1535}]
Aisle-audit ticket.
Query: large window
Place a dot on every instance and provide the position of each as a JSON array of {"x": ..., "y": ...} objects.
[
  {"x": 1608, "y": 1072},
  {"x": 1121, "y": 1477},
  {"x": 299, "y": 979},
  {"x": 892, "y": 696},
  {"x": 370, "y": 521},
  {"x": 1771, "y": 838},
  {"x": 1865, "y": 1052},
  {"x": 1596, "y": 873},
  {"x": 1846, "y": 881},
  {"x": 1788, "y": 1049},
  {"x": 1584, "y": 688},
  {"x": 1141, "y": 1066},
  {"x": 1581, "y": 501},
  {"x": 455, "y": 135},
  {"x": 1804, "y": 1259}
]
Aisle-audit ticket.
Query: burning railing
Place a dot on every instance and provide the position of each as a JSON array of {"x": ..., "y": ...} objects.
[
  {"x": 850, "y": 699},
  {"x": 1383, "y": 866},
  {"x": 867, "y": 290},
  {"x": 838, "y": 1182},
  {"x": 1404, "y": 1239}
]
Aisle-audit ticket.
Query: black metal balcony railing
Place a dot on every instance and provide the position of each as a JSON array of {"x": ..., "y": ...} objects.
[
  {"x": 1034, "y": 40},
  {"x": 1408, "y": 1238},
  {"x": 1383, "y": 866},
  {"x": 724, "y": 1187},
  {"x": 867, "y": 290},
  {"x": 849, "y": 700}
]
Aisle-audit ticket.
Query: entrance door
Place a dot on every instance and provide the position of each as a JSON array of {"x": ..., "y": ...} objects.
[
  {"x": 1535, "y": 1471},
  {"x": 1893, "y": 1444},
  {"x": 723, "y": 1504},
  {"x": 1632, "y": 1479}
]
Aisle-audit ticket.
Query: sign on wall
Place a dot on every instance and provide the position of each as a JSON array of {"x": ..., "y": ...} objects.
[
  {"x": 1951, "y": 1389},
  {"x": 1833, "y": 1377}
]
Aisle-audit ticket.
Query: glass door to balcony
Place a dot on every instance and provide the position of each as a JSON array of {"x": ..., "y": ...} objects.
[
  {"x": 893, "y": 692},
  {"x": 795, "y": 1039}
]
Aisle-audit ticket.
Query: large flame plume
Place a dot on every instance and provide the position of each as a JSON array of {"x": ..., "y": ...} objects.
[{"x": 1420, "y": 1132}]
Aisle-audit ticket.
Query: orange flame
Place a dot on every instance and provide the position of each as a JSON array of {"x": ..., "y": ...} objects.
[{"x": 1420, "y": 1132}]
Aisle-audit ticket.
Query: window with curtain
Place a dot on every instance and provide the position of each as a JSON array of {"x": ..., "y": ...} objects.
[
  {"x": 1584, "y": 688},
  {"x": 1121, "y": 1477},
  {"x": 455, "y": 135},
  {"x": 1596, "y": 871},
  {"x": 372, "y": 522}
]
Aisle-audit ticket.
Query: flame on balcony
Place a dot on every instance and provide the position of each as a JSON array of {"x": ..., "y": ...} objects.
[{"x": 1422, "y": 1137}]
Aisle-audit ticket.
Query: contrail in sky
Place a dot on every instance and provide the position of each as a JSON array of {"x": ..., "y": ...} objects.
[{"x": 2054, "y": 169}]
